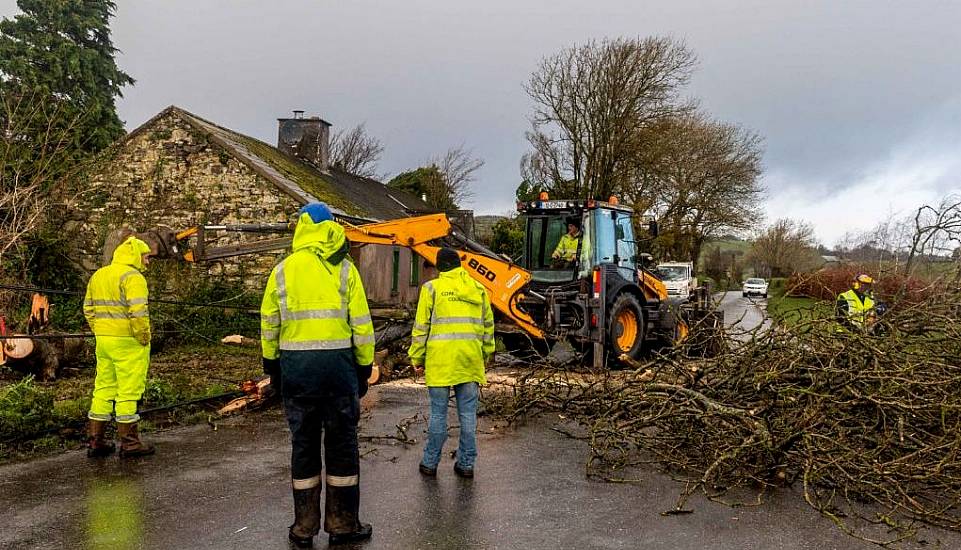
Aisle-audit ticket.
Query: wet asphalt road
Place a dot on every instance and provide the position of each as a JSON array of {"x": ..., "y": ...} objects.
[
  {"x": 229, "y": 488},
  {"x": 742, "y": 314}
]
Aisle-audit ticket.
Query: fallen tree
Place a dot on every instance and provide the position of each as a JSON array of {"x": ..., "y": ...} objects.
[{"x": 859, "y": 421}]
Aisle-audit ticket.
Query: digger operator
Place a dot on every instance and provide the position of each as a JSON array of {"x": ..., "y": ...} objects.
[
  {"x": 317, "y": 339},
  {"x": 115, "y": 307},
  {"x": 855, "y": 308},
  {"x": 566, "y": 251}
]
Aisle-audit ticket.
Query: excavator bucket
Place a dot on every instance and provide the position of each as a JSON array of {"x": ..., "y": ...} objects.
[{"x": 162, "y": 241}]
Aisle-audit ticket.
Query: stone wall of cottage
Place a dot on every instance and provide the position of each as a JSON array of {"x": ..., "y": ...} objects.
[{"x": 170, "y": 175}]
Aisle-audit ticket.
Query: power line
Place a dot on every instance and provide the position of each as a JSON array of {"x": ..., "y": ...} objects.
[{"x": 54, "y": 291}]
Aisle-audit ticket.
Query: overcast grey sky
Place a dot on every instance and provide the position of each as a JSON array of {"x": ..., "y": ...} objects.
[{"x": 859, "y": 101}]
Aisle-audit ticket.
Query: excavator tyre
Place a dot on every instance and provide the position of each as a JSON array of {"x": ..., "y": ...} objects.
[{"x": 626, "y": 329}]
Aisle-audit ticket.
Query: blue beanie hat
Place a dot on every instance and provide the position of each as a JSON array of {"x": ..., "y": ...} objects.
[{"x": 318, "y": 212}]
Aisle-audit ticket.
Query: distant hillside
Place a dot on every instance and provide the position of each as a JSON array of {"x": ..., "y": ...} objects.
[{"x": 726, "y": 245}]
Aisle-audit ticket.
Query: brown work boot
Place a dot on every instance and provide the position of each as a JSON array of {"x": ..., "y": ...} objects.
[
  {"x": 130, "y": 444},
  {"x": 97, "y": 444}
]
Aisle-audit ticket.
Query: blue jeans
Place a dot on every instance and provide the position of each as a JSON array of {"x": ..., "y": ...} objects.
[{"x": 466, "y": 395}]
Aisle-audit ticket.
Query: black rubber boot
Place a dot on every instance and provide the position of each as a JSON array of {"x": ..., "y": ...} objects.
[
  {"x": 363, "y": 532},
  {"x": 97, "y": 444},
  {"x": 306, "y": 517},
  {"x": 467, "y": 473},
  {"x": 340, "y": 516}
]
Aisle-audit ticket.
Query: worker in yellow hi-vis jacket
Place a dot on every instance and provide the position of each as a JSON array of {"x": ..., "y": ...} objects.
[
  {"x": 116, "y": 310},
  {"x": 318, "y": 340},
  {"x": 452, "y": 338}
]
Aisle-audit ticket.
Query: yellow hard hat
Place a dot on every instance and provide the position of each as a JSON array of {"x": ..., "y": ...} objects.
[{"x": 862, "y": 279}]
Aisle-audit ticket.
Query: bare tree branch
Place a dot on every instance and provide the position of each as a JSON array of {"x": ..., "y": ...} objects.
[
  {"x": 459, "y": 168},
  {"x": 354, "y": 151}
]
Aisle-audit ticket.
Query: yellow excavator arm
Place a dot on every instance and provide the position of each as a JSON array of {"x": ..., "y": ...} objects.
[{"x": 503, "y": 280}]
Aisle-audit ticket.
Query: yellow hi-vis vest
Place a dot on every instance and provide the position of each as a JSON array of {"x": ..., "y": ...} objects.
[
  {"x": 311, "y": 304},
  {"x": 116, "y": 300},
  {"x": 858, "y": 311},
  {"x": 453, "y": 334},
  {"x": 566, "y": 248}
]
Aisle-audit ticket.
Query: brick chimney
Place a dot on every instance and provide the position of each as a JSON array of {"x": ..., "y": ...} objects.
[{"x": 305, "y": 138}]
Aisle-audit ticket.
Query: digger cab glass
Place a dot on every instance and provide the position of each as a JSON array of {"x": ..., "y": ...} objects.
[
  {"x": 611, "y": 241},
  {"x": 544, "y": 233}
]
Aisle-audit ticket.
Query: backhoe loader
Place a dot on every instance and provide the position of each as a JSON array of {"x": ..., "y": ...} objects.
[{"x": 604, "y": 301}]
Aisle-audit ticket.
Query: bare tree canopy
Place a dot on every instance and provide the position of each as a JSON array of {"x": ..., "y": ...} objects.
[
  {"x": 937, "y": 230},
  {"x": 459, "y": 168},
  {"x": 355, "y": 151},
  {"x": 699, "y": 177},
  {"x": 609, "y": 119},
  {"x": 591, "y": 105},
  {"x": 929, "y": 235},
  {"x": 786, "y": 247}
]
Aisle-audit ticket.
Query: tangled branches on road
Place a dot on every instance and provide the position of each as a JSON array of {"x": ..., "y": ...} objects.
[{"x": 871, "y": 419}]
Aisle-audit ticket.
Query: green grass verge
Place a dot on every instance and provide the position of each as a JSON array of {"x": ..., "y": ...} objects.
[{"x": 793, "y": 310}]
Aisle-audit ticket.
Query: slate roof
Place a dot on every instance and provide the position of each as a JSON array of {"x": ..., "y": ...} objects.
[{"x": 349, "y": 196}]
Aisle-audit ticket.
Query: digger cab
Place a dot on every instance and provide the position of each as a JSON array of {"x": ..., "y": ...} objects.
[
  {"x": 604, "y": 235},
  {"x": 590, "y": 290}
]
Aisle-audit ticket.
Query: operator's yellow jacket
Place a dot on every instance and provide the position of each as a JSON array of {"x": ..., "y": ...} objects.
[
  {"x": 566, "y": 248},
  {"x": 315, "y": 298},
  {"x": 116, "y": 310},
  {"x": 453, "y": 334}
]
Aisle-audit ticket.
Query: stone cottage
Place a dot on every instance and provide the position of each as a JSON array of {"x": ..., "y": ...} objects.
[{"x": 179, "y": 170}]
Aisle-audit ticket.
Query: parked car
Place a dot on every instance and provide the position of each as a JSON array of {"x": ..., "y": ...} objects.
[{"x": 754, "y": 287}]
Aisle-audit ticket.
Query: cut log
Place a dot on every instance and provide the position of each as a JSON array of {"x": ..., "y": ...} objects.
[
  {"x": 18, "y": 348},
  {"x": 238, "y": 340},
  {"x": 36, "y": 357},
  {"x": 42, "y": 357},
  {"x": 391, "y": 333}
]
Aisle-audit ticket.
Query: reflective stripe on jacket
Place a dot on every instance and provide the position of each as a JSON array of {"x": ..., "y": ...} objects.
[
  {"x": 858, "y": 312},
  {"x": 566, "y": 248},
  {"x": 116, "y": 300},
  {"x": 453, "y": 334},
  {"x": 313, "y": 304}
]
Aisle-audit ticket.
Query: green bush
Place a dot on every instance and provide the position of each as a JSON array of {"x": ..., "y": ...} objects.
[
  {"x": 26, "y": 408},
  {"x": 508, "y": 238}
]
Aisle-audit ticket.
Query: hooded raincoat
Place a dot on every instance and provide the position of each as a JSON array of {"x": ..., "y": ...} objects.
[
  {"x": 116, "y": 310},
  {"x": 315, "y": 301},
  {"x": 453, "y": 334}
]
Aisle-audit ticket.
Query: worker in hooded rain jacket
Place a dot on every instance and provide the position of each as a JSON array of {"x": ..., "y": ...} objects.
[
  {"x": 318, "y": 340},
  {"x": 452, "y": 338},
  {"x": 116, "y": 310}
]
